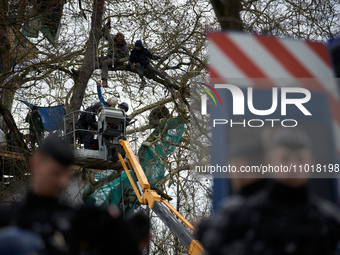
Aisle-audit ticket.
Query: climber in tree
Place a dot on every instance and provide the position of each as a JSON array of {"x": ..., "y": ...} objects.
[
  {"x": 118, "y": 52},
  {"x": 158, "y": 115},
  {"x": 111, "y": 102},
  {"x": 140, "y": 56}
]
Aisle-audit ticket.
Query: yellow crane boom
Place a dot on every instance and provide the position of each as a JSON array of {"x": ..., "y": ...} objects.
[{"x": 163, "y": 209}]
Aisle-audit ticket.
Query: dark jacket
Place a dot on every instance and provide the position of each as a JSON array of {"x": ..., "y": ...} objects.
[
  {"x": 36, "y": 123},
  {"x": 50, "y": 219},
  {"x": 117, "y": 50},
  {"x": 66, "y": 231},
  {"x": 87, "y": 119},
  {"x": 98, "y": 233},
  {"x": 121, "y": 51},
  {"x": 278, "y": 221},
  {"x": 142, "y": 56}
]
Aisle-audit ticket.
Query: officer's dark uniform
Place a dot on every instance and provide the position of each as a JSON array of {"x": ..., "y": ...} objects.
[
  {"x": 98, "y": 233},
  {"x": 87, "y": 120},
  {"x": 47, "y": 216},
  {"x": 66, "y": 231},
  {"x": 244, "y": 193},
  {"x": 50, "y": 219},
  {"x": 280, "y": 220}
]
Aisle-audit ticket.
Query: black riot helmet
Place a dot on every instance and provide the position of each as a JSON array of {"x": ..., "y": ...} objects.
[
  {"x": 124, "y": 106},
  {"x": 97, "y": 105}
]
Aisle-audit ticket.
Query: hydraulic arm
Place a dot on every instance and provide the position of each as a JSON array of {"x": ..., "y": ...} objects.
[{"x": 162, "y": 208}]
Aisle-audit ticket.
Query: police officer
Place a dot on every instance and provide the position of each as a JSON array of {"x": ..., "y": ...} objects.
[
  {"x": 87, "y": 120},
  {"x": 42, "y": 212},
  {"x": 64, "y": 230},
  {"x": 99, "y": 231},
  {"x": 125, "y": 107},
  {"x": 284, "y": 218}
]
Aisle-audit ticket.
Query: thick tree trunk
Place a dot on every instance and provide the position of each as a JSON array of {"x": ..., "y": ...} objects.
[
  {"x": 228, "y": 13},
  {"x": 8, "y": 118},
  {"x": 88, "y": 66},
  {"x": 6, "y": 94},
  {"x": 6, "y": 99}
]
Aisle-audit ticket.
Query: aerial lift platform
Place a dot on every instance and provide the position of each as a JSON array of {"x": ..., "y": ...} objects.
[
  {"x": 111, "y": 127},
  {"x": 113, "y": 147}
]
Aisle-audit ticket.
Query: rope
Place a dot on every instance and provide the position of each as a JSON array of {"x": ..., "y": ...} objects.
[
  {"x": 100, "y": 7},
  {"x": 123, "y": 198},
  {"x": 75, "y": 26}
]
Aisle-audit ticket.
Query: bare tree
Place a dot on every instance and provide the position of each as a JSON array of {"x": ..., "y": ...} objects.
[
  {"x": 304, "y": 19},
  {"x": 64, "y": 70}
]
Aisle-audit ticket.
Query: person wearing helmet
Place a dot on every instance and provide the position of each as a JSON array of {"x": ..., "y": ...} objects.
[
  {"x": 87, "y": 120},
  {"x": 96, "y": 106},
  {"x": 111, "y": 102},
  {"x": 124, "y": 106}
]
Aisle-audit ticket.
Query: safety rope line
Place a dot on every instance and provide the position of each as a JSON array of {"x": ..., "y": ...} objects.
[{"x": 123, "y": 197}]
